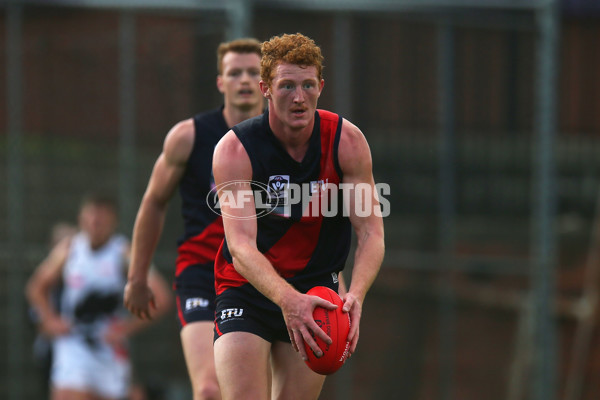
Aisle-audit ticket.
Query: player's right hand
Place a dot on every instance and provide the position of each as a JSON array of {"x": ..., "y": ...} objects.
[
  {"x": 138, "y": 299},
  {"x": 55, "y": 326},
  {"x": 298, "y": 316}
]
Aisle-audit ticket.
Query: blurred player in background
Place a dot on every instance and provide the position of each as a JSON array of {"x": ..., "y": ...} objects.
[
  {"x": 90, "y": 332},
  {"x": 186, "y": 162},
  {"x": 42, "y": 345},
  {"x": 267, "y": 264}
]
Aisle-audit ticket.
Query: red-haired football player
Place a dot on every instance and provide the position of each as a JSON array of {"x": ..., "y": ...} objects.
[{"x": 271, "y": 258}]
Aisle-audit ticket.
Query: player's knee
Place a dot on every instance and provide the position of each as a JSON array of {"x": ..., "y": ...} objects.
[{"x": 207, "y": 390}]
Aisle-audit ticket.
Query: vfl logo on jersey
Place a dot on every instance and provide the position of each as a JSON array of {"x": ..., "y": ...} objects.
[
  {"x": 195, "y": 302},
  {"x": 277, "y": 189},
  {"x": 231, "y": 313}
]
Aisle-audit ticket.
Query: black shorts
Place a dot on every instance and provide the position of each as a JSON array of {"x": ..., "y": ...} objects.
[
  {"x": 244, "y": 309},
  {"x": 195, "y": 300}
]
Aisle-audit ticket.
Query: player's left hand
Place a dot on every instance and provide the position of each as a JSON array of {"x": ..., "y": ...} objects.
[
  {"x": 116, "y": 335},
  {"x": 353, "y": 306}
]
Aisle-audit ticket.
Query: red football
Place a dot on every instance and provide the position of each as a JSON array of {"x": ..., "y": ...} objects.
[{"x": 336, "y": 325}]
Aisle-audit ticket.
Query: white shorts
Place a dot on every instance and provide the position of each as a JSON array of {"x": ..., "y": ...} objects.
[{"x": 77, "y": 366}]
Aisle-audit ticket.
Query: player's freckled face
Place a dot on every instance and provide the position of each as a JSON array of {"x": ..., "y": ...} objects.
[{"x": 294, "y": 93}]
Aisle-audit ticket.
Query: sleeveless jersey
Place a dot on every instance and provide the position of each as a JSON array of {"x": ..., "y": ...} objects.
[
  {"x": 203, "y": 228},
  {"x": 301, "y": 246},
  {"x": 93, "y": 286}
]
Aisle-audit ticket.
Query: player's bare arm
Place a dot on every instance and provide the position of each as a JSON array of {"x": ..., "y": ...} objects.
[
  {"x": 231, "y": 163},
  {"x": 166, "y": 174},
  {"x": 46, "y": 276},
  {"x": 356, "y": 164}
]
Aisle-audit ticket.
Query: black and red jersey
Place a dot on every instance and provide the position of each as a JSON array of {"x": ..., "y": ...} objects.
[
  {"x": 301, "y": 246},
  {"x": 203, "y": 228}
]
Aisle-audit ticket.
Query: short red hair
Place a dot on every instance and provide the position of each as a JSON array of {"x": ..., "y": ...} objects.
[{"x": 289, "y": 48}]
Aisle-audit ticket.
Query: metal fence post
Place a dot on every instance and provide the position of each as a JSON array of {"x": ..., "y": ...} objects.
[
  {"x": 15, "y": 199},
  {"x": 127, "y": 111},
  {"x": 544, "y": 207},
  {"x": 447, "y": 208}
]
